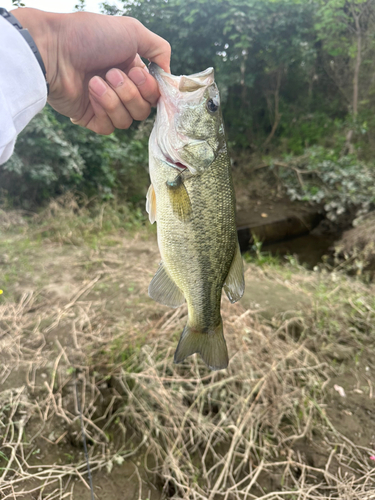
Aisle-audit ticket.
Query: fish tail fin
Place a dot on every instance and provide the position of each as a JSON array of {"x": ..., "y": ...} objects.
[{"x": 211, "y": 346}]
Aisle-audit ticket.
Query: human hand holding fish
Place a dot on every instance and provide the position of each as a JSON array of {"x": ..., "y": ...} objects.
[
  {"x": 94, "y": 68},
  {"x": 191, "y": 197}
]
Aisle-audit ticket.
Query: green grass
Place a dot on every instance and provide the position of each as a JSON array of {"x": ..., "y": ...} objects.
[{"x": 16, "y": 256}]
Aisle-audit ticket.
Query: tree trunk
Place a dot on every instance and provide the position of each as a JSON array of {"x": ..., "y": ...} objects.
[
  {"x": 349, "y": 148},
  {"x": 243, "y": 72},
  {"x": 277, "y": 115},
  {"x": 357, "y": 65}
]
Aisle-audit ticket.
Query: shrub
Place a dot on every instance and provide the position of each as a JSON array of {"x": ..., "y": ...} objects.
[
  {"x": 343, "y": 185},
  {"x": 53, "y": 156}
]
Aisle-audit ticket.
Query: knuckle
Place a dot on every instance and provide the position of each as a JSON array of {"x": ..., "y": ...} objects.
[
  {"x": 131, "y": 94},
  {"x": 99, "y": 130},
  {"x": 142, "y": 115},
  {"x": 134, "y": 21},
  {"x": 167, "y": 47},
  {"x": 106, "y": 131},
  {"x": 103, "y": 128},
  {"x": 124, "y": 123},
  {"x": 111, "y": 106}
]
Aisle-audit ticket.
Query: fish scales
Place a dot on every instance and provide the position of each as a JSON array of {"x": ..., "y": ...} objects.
[
  {"x": 198, "y": 255},
  {"x": 194, "y": 207}
]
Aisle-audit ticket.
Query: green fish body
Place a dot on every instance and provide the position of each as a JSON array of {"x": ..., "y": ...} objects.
[{"x": 192, "y": 199}]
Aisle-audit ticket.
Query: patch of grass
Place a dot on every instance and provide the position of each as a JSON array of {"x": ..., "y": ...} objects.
[
  {"x": 73, "y": 220},
  {"x": 260, "y": 258},
  {"x": 16, "y": 262},
  {"x": 245, "y": 432}
]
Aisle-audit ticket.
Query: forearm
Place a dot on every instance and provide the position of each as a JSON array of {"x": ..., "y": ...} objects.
[
  {"x": 43, "y": 27},
  {"x": 22, "y": 87},
  {"x": 93, "y": 65}
]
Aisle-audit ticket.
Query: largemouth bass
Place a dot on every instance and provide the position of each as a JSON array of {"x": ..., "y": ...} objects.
[{"x": 192, "y": 199}]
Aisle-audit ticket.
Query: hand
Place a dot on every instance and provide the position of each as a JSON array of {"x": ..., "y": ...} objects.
[{"x": 93, "y": 64}]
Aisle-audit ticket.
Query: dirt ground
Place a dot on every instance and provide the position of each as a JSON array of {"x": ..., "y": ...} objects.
[
  {"x": 260, "y": 198},
  {"x": 292, "y": 417}
]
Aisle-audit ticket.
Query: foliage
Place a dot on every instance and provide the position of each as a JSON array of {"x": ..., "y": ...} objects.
[
  {"x": 345, "y": 28},
  {"x": 343, "y": 184},
  {"x": 256, "y": 47},
  {"x": 80, "y": 5},
  {"x": 293, "y": 74},
  {"x": 53, "y": 155},
  {"x": 355, "y": 251},
  {"x": 257, "y": 256},
  {"x": 44, "y": 159}
]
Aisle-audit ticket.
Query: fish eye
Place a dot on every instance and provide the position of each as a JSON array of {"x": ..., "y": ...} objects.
[{"x": 212, "y": 105}]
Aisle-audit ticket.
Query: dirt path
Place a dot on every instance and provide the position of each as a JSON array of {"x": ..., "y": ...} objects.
[{"x": 272, "y": 425}]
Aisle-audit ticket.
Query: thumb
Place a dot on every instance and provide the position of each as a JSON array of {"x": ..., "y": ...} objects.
[{"x": 152, "y": 46}]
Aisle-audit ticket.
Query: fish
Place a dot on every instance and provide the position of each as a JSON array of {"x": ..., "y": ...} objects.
[{"x": 191, "y": 198}]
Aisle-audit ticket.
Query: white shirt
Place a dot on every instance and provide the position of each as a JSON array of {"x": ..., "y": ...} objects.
[{"x": 23, "y": 91}]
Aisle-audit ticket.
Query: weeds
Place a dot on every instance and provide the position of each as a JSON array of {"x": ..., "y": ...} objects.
[
  {"x": 257, "y": 256},
  {"x": 257, "y": 430}
]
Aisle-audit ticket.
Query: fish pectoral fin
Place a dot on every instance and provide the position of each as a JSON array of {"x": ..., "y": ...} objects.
[
  {"x": 234, "y": 285},
  {"x": 151, "y": 204},
  {"x": 211, "y": 346},
  {"x": 179, "y": 198},
  {"x": 164, "y": 290}
]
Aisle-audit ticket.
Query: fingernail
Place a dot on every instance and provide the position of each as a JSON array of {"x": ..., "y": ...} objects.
[
  {"x": 137, "y": 75},
  {"x": 115, "y": 77},
  {"x": 98, "y": 86}
]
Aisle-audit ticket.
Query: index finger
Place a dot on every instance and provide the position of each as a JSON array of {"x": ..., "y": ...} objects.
[{"x": 152, "y": 46}]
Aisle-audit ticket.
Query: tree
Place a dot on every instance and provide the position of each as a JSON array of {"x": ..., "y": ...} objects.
[
  {"x": 346, "y": 28},
  {"x": 253, "y": 45}
]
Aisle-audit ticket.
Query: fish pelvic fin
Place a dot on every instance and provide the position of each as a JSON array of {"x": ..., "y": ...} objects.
[
  {"x": 164, "y": 290},
  {"x": 151, "y": 204},
  {"x": 211, "y": 346},
  {"x": 234, "y": 285}
]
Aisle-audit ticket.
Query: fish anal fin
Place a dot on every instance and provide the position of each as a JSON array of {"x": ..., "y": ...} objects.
[
  {"x": 151, "y": 204},
  {"x": 234, "y": 285},
  {"x": 211, "y": 346},
  {"x": 164, "y": 290},
  {"x": 179, "y": 198}
]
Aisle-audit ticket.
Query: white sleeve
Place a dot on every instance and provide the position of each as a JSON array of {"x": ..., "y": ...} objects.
[{"x": 23, "y": 91}]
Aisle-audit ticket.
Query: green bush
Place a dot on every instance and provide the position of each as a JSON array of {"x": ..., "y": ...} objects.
[
  {"x": 53, "y": 156},
  {"x": 343, "y": 185}
]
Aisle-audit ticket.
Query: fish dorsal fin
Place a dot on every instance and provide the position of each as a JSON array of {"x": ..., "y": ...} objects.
[
  {"x": 151, "y": 204},
  {"x": 164, "y": 290},
  {"x": 179, "y": 198},
  {"x": 234, "y": 285}
]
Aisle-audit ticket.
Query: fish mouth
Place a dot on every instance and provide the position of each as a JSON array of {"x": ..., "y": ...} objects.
[
  {"x": 184, "y": 83},
  {"x": 177, "y": 92}
]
